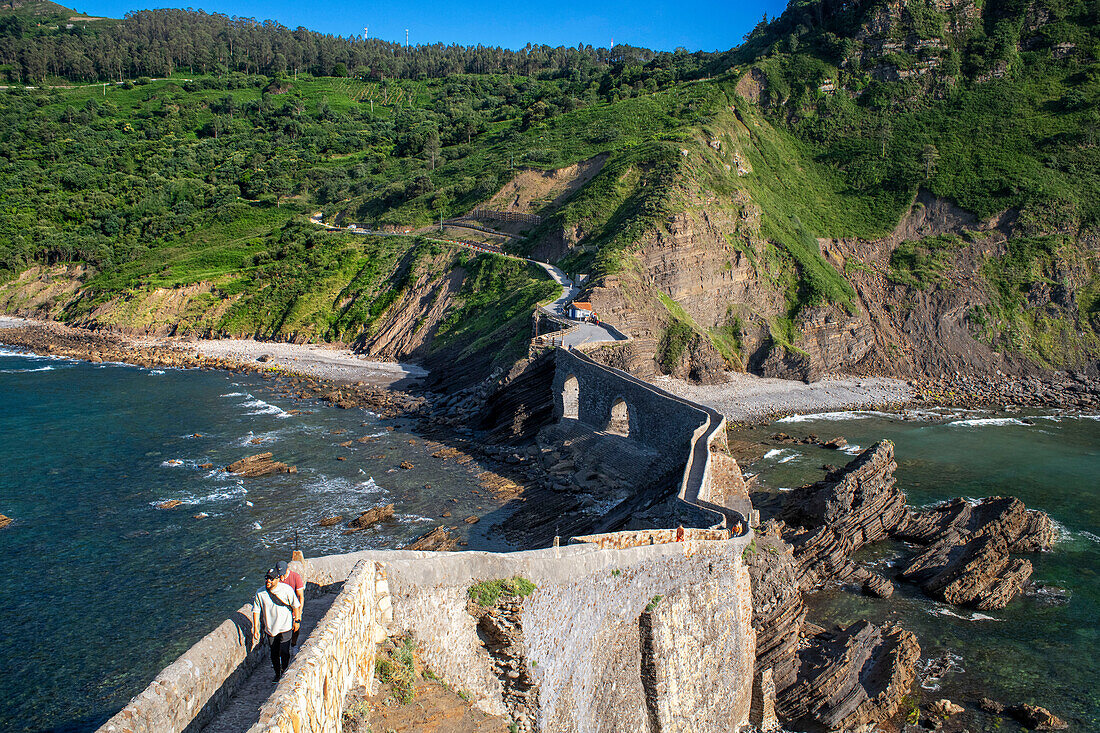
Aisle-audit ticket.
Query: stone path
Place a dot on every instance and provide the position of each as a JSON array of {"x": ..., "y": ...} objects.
[{"x": 243, "y": 711}]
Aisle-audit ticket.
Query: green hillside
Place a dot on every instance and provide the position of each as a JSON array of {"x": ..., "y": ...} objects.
[{"x": 842, "y": 113}]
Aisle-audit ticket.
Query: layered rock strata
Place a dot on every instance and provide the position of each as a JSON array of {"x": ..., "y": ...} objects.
[
  {"x": 851, "y": 678},
  {"x": 967, "y": 561},
  {"x": 833, "y": 518},
  {"x": 261, "y": 464}
]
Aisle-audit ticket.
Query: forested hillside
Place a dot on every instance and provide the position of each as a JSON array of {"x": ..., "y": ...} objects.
[{"x": 816, "y": 199}]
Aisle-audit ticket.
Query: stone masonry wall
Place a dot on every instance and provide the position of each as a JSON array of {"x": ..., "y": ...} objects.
[
  {"x": 191, "y": 690},
  {"x": 338, "y": 655},
  {"x": 665, "y": 425},
  {"x": 582, "y": 629}
]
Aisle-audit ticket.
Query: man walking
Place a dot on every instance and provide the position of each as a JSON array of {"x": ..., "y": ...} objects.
[
  {"x": 278, "y": 607},
  {"x": 294, "y": 580}
]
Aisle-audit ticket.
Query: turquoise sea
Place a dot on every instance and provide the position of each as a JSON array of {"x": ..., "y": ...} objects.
[
  {"x": 101, "y": 588},
  {"x": 1036, "y": 650}
]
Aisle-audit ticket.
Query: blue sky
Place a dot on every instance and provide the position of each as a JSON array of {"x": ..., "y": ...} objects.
[{"x": 695, "y": 25}]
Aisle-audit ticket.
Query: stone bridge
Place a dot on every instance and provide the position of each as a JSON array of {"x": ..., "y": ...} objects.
[
  {"x": 646, "y": 630},
  {"x": 607, "y": 399}
]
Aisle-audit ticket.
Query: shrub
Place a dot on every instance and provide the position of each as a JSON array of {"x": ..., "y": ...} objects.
[{"x": 488, "y": 592}]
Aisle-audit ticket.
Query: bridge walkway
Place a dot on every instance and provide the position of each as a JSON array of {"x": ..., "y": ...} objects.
[{"x": 243, "y": 709}]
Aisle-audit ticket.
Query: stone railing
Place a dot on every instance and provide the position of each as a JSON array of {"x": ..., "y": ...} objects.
[
  {"x": 192, "y": 690},
  {"x": 696, "y": 485},
  {"x": 338, "y": 655},
  {"x": 644, "y": 537}
]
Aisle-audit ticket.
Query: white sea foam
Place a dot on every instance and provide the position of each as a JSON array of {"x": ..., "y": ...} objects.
[
  {"x": 264, "y": 408},
  {"x": 27, "y": 371},
  {"x": 234, "y": 394},
  {"x": 172, "y": 462},
  {"x": 268, "y": 437},
  {"x": 852, "y": 450},
  {"x": 257, "y": 525},
  {"x": 157, "y": 372},
  {"x": 794, "y": 454},
  {"x": 1090, "y": 536},
  {"x": 773, "y": 453},
  {"x": 845, "y": 415},
  {"x": 939, "y": 610},
  {"x": 982, "y": 422}
]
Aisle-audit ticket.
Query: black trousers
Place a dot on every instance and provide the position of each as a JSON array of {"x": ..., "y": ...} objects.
[{"x": 280, "y": 652}]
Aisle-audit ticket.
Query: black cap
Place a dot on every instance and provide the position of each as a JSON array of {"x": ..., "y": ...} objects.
[
  {"x": 272, "y": 575},
  {"x": 281, "y": 568}
]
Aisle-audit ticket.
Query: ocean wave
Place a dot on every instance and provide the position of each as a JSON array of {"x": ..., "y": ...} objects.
[
  {"x": 785, "y": 459},
  {"x": 264, "y": 408},
  {"x": 773, "y": 453},
  {"x": 233, "y": 394},
  {"x": 1090, "y": 536},
  {"x": 222, "y": 495},
  {"x": 27, "y": 371},
  {"x": 156, "y": 372},
  {"x": 845, "y": 415},
  {"x": 852, "y": 450},
  {"x": 982, "y": 422},
  {"x": 413, "y": 518},
  {"x": 939, "y": 610},
  {"x": 268, "y": 437}
]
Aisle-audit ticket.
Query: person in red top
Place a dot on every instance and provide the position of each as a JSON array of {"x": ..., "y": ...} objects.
[{"x": 294, "y": 580}]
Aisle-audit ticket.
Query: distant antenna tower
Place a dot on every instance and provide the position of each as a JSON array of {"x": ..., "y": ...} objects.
[
  {"x": 366, "y": 32},
  {"x": 406, "y": 38}
]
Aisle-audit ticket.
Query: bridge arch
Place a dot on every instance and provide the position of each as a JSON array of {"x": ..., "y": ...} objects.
[
  {"x": 619, "y": 422},
  {"x": 571, "y": 398}
]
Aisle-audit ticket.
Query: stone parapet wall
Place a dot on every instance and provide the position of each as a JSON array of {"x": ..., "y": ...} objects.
[
  {"x": 644, "y": 537},
  {"x": 581, "y": 628},
  {"x": 192, "y": 690},
  {"x": 338, "y": 655},
  {"x": 684, "y": 432}
]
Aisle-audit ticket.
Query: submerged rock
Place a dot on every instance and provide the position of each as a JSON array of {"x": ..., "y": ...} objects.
[
  {"x": 1036, "y": 718},
  {"x": 170, "y": 504},
  {"x": 439, "y": 539},
  {"x": 369, "y": 518},
  {"x": 259, "y": 465},
  {"x": 5, "y": 521}
]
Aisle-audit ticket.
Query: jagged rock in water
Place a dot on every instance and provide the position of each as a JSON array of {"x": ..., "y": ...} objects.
[
  {"x": 439, "y": 539},
  {"x": 369, "y": 518},
  {"x": 851, "y": 678},
  {"x": 1036, "y": 718},
  {"x": 777, "y": 609},
  {"x": 1038, "y": 535},
  {"x": 877, "y": 586},
  {"x": 330, "y": 521},
  {"x": 861, "y": 502},
  {"x": 835, "y": 517},
  {"x": 945, "y": 708},
  {"x": 259, "y": 465},
  {"x": 967, "y": 562}
]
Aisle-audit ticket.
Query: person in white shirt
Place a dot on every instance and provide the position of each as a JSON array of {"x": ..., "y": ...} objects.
[{"x": 277, "y": 605}]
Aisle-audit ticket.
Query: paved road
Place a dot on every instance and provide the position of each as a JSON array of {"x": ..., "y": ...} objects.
[{"x": 583, "y": 333}]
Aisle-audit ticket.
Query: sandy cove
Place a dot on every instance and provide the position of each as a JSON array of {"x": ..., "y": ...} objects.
[{"x": 322, "y": 361}]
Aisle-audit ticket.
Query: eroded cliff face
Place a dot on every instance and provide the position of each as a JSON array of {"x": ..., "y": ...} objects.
[{"x": 711, "y": 263}]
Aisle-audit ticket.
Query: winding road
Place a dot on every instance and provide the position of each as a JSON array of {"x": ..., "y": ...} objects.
[{"x": 581, "y": 333}]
